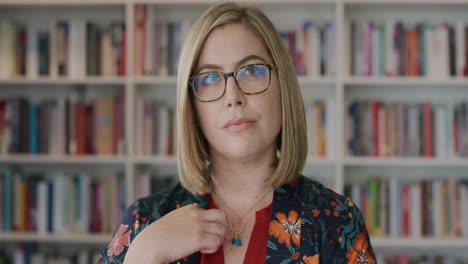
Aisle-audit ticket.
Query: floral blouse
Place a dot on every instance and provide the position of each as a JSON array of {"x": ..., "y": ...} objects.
[{"x": 309, "y": 224}]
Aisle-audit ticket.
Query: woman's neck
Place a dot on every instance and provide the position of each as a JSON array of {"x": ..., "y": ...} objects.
[{"x": 241, "y": 181}]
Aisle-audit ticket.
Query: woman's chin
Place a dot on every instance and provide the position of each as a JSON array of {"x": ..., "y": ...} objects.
[{"x": 245, "y": 153}]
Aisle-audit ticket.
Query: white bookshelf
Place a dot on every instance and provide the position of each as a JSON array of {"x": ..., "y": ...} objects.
[
  {"x": 420, "y": 243},
  {"x": 406, "y": 162},
  {"x": 335, "y": 170},
  {"x": 62, "y": 159},
  {"x": 89, "y": 239},
  {"x": 66, "y": 81}
]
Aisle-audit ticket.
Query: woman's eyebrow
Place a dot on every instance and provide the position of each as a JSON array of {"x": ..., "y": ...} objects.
[{"x": 239, "y": 63}]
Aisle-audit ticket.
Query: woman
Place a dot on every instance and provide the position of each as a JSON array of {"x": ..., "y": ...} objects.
[{"x": 242, "y": 147}]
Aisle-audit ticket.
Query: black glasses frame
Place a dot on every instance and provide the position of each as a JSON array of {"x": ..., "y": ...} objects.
[{"x": 233, "y": 74}]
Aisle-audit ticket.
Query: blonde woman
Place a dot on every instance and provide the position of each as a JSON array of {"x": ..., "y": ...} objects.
[{"x": 242, "y": 147}]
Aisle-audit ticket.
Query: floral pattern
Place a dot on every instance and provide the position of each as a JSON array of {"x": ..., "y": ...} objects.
[
  {"x": 120, "y": 240},
  {"x": 359, "y": 253},
  {"x": 309, "y": 224},
  {"x": 287, "y": 228},
  {"x": 311, "y": 260}
]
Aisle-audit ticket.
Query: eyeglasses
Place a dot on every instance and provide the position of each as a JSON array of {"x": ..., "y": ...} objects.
[{"x": 251, "y": 79}]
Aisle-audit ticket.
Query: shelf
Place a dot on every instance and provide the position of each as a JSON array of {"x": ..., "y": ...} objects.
[
  {"x": 160, "y": 160},
  {"x": 410, "y": 81},
  {"x": 66, "y": 81},
  {"x": 409, "y": 161},
  {"x": 156, "y": 80},
  {"x": 62, "y": 2},
  {"x": 52, "y": 159},
  {"x": 320, "y": 161},
  {"x": 422, "y": 243},
  {"x": 406, "y": 2},
  {"x": 304, "y": 80},
  {"x": 92, "y": 239}
]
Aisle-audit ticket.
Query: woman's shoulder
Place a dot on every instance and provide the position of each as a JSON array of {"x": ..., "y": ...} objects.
[
  {"x": 164, "y": 201},
  {"x": 314, "y": 188},
  {"x": 322, "y": 202}
]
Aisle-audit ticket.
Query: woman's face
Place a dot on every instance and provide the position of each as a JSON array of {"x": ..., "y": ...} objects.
[{"x": 238, "y": 126}]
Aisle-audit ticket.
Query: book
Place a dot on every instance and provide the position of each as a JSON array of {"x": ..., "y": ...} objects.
[
  {"x": 396, "y": 48},
  {"x": 426, "y": 207}
]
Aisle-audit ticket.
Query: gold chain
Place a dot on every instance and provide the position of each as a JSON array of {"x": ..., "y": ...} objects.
[{"x": 241, "y": 226}]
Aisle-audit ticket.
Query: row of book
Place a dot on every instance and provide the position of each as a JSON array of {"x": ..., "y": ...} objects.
[
  {"x": 30, "y": 254},
  {"x": 312, "y": 46},
  {"x": 154, "y": 128},
  {"x": 157, "y": 43},
  {"x": 423, "y": 208},
  {"x": 422, "y": 260},
  {"x": 393, "y": 48},
  {"x": 319, "y": 119},
  {"x": 60, "y": 202},
  {"x": 147, "y": 183},
  {"x": 67, "y": 125},
  {"x": 382, "y": 129},
  {"x": 74, "y": 49}
]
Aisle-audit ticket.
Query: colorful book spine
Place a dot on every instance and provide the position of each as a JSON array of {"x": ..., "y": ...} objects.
[
  {"x": 423, "y": 208},
  {"x": 396, "y": 49}
]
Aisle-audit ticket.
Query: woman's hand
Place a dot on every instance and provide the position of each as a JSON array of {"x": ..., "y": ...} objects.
[{"x": 178, "y": 234}]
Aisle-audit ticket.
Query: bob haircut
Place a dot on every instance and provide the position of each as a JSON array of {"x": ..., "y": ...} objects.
[{"x": 193, "y": 150}]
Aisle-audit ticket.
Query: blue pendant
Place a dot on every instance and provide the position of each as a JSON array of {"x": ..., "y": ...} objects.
[{"x": 236, "y": 241}]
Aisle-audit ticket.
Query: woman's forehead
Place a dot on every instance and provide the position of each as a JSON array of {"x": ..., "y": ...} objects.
[{"x": 228, "y": 44}]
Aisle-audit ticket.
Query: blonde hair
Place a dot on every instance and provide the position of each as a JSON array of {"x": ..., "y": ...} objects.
[{"x": 193, "y": 152}]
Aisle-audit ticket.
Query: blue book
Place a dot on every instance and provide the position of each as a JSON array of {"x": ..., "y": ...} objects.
[
  {"x": 43, "y": 47},
  {"x": 50, "y": 202},
  {"x": 33, "y": 129},
  {"x": 78, "y": 183},
  {"x": 174, "y": 30}
]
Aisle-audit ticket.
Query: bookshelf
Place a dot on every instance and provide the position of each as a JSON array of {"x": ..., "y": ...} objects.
[{"x": 336, "y": 168}]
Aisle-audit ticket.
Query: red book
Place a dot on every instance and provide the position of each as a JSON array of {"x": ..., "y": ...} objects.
[
  {"x": 406, "y": 211},
  {"x": 80, "y": 128},
  {"x": 427, "y": 126},
  {"x": 375, "y": 104},
  {"x": 89, "y": 118},
  {"x": 96, "y": 216},
  {"x": 140, "y": 37}
]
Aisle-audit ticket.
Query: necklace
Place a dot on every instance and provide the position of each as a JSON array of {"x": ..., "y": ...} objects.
[{"x": 237, "y": 227}]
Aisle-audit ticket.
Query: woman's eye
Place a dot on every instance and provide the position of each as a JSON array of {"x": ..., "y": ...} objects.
[
  {"x": 255, "y": 71},
  {"x": 251, "y": 70},
  {"x": 210, "y": 78}
]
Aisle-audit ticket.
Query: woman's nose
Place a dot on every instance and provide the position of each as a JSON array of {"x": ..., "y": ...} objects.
[{"x": 233, "y": 95}]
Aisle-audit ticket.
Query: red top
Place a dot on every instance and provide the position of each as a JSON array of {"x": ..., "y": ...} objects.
[{"x": 256, "y": 251}]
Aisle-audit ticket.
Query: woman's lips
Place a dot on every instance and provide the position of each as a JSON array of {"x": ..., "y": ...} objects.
[{"x": 240, "y": 124}]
